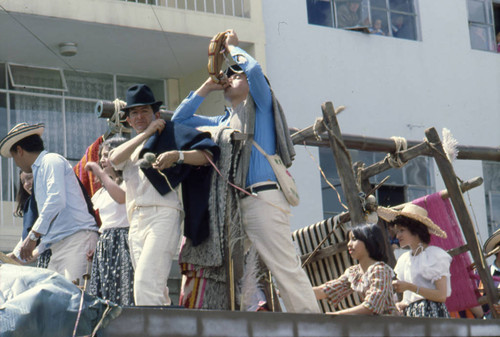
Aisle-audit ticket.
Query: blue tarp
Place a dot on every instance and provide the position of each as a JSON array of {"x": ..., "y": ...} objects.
[{"x": 38, "y": 302}]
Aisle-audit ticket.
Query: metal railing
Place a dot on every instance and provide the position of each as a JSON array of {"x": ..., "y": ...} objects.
[{"x": 238, "y": 8}]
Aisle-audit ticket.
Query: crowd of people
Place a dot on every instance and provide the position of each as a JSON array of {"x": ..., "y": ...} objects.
[{"x": 141, "y": 207}]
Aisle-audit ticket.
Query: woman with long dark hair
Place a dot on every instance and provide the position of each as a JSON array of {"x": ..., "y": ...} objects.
[
  {"x": 371, "y": 277},
  {"x": 26, "y": 209}
]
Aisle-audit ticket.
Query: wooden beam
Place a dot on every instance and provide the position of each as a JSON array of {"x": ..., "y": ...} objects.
[
  {"x": 451, "y": 183},
  {"x": 374, "y": 144},
  {"x": 384, "y": 165},
  {"x": 344, "y": 164},
  {"x": 464, "y": 187}
]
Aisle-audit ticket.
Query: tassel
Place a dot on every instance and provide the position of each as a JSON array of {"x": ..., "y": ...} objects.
[{"x": 449, "y": 145}]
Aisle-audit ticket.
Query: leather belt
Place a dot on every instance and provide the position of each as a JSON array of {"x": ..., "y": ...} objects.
[{"x": 261, "y": 188}]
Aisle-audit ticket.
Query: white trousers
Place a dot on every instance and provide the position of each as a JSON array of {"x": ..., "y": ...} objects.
[
  {"x": 153, "y": 240},
  {"x": 268, "y": 228},
  {"x": 69, "y": 256}
]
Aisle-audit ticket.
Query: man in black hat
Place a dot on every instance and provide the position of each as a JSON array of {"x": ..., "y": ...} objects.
[
  {"x": 153, "y": 207},
  {"x": 64, "y": 223},
  {"x": 256, "y": 113}
]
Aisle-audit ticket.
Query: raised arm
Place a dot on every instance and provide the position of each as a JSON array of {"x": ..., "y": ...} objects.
[
  {"x": 123, "y": 152},
  {"x": 259, "y": 88},
  {"x": 185, "y": 112},
  {"x": 114, "y": 190}
]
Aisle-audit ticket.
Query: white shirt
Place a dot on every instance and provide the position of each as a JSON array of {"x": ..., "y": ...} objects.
[
  {"x": 112, "y": 214},
  {"x": 62, "y": 210},
  {"x": 423, "y": 270},
  {"x": 140, "y": 191}
]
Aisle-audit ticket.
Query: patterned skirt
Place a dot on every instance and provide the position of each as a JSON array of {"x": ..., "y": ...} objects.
[
  {"x": 112, "y": 272},
  {"x": 44, "y": 259},
  {"x": 426, "y": 308}
]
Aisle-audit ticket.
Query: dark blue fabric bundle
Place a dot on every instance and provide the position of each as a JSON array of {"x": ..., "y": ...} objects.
[{"x": 195, "y": 180}]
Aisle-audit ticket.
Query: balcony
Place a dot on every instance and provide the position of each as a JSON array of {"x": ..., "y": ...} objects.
[{"x": 238, "y": 8}]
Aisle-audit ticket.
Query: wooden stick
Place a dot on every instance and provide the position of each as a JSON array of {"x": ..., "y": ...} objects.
[
  {"x": 450, "y": 180},
  {"x": 344, "y": 164},
  {"x": 464, "y": 187},
  {"x": 319, "y": 254}
]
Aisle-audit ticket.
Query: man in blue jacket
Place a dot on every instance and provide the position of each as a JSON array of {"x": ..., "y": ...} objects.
[{"x": 265, "y": 218}]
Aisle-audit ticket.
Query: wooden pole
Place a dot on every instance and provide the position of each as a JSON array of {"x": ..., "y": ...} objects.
[
  {"x": 344, "y": 164},
  {"x": 363, "y": 143},
  {"x": 450, "y": 180}
]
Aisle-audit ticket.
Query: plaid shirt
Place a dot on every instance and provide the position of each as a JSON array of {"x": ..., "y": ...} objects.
[{"x": 374, "y": 286}]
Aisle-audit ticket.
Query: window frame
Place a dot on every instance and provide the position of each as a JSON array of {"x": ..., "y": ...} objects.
[
  {"x": 34, "y": 68},
  {"x": 490, "y": 26},
  {"x": 367, "y": 6}
]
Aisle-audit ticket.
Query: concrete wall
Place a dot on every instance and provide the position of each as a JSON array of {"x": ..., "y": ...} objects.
[
  {"x": 390, "y": 87},
  {"x": 165, "y": 322}
]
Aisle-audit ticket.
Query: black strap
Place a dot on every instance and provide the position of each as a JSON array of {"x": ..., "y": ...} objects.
[{"x": 90, "y": 205}]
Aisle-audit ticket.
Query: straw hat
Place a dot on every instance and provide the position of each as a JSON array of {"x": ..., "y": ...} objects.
[
  {"x": 492, "y": 242},
  {"x": 18, "y": 132},
  {"x": 413, "y": 212}
]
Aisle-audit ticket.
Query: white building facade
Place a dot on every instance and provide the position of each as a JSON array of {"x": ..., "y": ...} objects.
[
  {"x": 442, "y": 72},
  {"x": 437, "y": 75}
]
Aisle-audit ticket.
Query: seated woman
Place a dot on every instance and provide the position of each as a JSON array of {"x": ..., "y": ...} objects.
[
  {"x": 423, "y": 273},
  {"x": 371, "y": 278}
]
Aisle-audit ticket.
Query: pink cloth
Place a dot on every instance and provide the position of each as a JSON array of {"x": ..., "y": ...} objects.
[{"x": 462, "y": 284}]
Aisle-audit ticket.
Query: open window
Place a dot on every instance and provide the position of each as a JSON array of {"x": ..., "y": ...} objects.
[
  {"x": 396, "y": 18},
  {"x": 30, "y": 77},
  {"x": 484, "y": 24}
]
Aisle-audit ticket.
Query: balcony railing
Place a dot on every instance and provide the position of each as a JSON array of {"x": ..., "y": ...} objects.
[{"x": 238, "y": 8}]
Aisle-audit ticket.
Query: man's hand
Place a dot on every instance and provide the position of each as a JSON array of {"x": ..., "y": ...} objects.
[
  {"x": 90, "y": 255},
  {"x": 156, "y": 125},
  {"x": 209, "y": 86},
  {"x": 166, "y": 160},
  {"x": 27, "y": 249},
  {"x": 231, "y": 39}
]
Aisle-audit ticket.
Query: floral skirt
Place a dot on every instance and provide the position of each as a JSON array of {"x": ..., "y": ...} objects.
[
  {"x": 112, "y": 272},
  {"x": 426, "y": 308},
  {"x": 44, "y": 259}
]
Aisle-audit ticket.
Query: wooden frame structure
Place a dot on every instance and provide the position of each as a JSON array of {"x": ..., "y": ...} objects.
[{"x": 431, "y": 146}]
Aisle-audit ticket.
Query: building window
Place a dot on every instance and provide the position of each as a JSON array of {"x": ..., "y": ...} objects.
[
  {"x": 411, "y": 182},
  {"x": 491, "y": 174},
  {"x": 484, "y": 24},
  {"x": 63, "y": 100},
  {"x": 396, "y": 18}
]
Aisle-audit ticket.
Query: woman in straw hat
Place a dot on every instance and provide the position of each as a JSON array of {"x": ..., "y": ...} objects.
[
  {"x": 371, "y": 278},
  {"x": 423, "y": 273}
]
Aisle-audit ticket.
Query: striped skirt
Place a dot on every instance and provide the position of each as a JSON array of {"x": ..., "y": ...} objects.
[
  {"x": 112, "y": 272},
  {"x": 44, "y": 259},
  {"x": 426, "y": 308}
]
